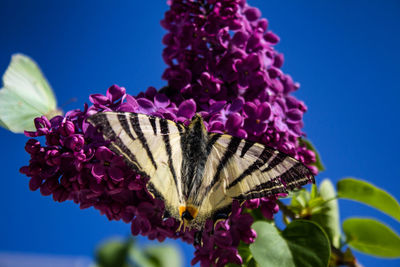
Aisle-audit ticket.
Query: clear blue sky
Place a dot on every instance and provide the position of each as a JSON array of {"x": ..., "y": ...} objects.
[{"x": 345, "y": 54}]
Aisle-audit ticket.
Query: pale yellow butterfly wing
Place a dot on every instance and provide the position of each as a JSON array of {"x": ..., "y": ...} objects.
[{"x": 150, "y": 145}]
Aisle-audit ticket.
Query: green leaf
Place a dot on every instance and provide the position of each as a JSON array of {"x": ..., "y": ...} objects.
[
  {"x": 137, "y": 258},
  {"x": 302, "y": 243},
  {"x": 113, "y": 253},
  {"x": 156, "y": 256},
  {"x": 316, "y": 203},
  {"x": 328, "y": 216},
  {"x": 300, "y": 200},
  {"x": 367, "y": 193},
  {"x": 164, "y": 255},
  {"x": 314, "y": 191},
  {"x": 308, "y": 242},
  {"x": 269, "y": 248},
  {"x": 372, "y": 237},
  {"x": 318, "y": 163}
]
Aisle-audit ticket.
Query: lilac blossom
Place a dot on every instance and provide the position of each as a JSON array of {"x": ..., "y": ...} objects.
[
  {"x": 109, "y": 166},
  {"x": 222, "y": 65}
]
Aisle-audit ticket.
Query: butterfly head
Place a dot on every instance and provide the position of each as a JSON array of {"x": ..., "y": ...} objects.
[
  {"x": 187, "y": 214},
  {"x": 197, "y": 123}
]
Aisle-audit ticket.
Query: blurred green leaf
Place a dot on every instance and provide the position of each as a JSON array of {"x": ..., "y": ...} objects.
[
  {"x": 316, "y": 202},
  {"x": 367, "y": 193},
  {"x": 113, "y": 253},
  {"x": 372, "y": 237},
  {"x": 164, "y": 255},
  {"x": 304, "y": 203},
  {"x": 314, "y": 191},
  {"x": 117, "y": 253},
  {"x": 138, "y": 258},
  {"x": 318, "y": 163},
  {"x": 328, "y": 216},
  {"x": 156, "y": 256},
  {"x": 302, "y": 243},
  {"x": 299, "y": 201}
]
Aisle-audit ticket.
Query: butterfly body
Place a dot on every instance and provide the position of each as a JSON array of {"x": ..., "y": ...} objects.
[{"x": 197, "y": 173}]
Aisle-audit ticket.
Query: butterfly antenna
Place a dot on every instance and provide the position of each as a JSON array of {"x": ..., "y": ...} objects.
[{"x": 71, "y": 100}]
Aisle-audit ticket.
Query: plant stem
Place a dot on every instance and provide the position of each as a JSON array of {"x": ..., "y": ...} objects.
[{"x": 285, "y": 210}]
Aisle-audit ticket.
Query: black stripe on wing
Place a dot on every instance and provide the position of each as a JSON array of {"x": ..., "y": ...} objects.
[
  {"x": 213, "y": 138},
  {"x": 101, "y": 122},
  {"x": 293, "y": 178},
  {"x": 269, "y": 188},
  {"x": 229, "y": 152},
  {"x": 270, "y": 159},
  {"x": 247, "y": 145},
  {"x": 296, "y": 176},
  {"x": 265, "y": 155},
  {"x": 153, "y": 124},
  {"x": 165, "y": 131},
  {"x": 136, "y": 127},
  {"x": 280, "y": 158},
  {"x": 125, "y": 124}
]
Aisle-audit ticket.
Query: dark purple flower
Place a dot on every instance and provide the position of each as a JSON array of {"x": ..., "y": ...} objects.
[
  {"x": 257, "y": 119},
  {"x": 227, "y": 117},
  {"x": 113, "y": 98},
  {"x": 248, "y": 71},
  {"x": 240, "y": 226},
  {"x": 109, "y": 166},
  {"x": 186, "y": 110},
  {"x": 228, "y": 255},
  {"x": 269, "y": 207}
]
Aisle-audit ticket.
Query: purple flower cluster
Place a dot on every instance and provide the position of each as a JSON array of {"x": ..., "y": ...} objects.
[
  {"x": 221, "y": 55},
  {"x": 221, "y": 64}
]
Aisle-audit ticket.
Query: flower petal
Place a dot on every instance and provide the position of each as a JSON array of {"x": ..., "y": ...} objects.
[
  {"x": 116, "y": 174},
  {"x": 99, "y": 99},
  {"x": 294, "y": 115},
  {"x": 103, "y": 153},
  {"x": 187, "y": 109},
  {"x": 98, "y": 171},
  {"x": 145, "y": 105},
  {"x": 264, "y": 111},
  {"x": 250, "y": 109},
  {"x": 115, "y": 92},
  {"x": 161, "y": 101}
]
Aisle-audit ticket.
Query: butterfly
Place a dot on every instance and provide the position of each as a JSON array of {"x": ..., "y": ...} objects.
[
  {"x": 25, "y": 95},
  {"x": 198, "y": 174}
]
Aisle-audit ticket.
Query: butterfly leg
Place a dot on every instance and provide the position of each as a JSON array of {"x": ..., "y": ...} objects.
[{"x": 198, "y": 238}]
